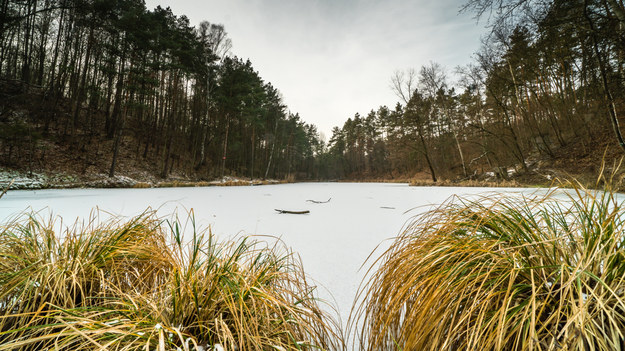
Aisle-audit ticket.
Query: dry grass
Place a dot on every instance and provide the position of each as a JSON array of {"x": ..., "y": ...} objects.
[
  {"x": 138, "y": 286},
  {"x": 231, "y": 182},
  {"x": 503, "y": 273},
  {"x": 180, "y": 184},
  {"x": 467, "y": 183},
  {"x": 234, "y": 183}
]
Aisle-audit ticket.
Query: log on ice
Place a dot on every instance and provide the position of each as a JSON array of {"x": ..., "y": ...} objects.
[{"x": 291, "y": 212}]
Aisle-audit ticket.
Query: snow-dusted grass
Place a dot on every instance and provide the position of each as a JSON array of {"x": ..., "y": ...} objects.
[{"x": 334, "y": 239}]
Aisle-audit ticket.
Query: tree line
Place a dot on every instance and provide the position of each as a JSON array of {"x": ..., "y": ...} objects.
[
  {"x": 114, "y": 69},
  {"x": 550, "y": 74}
]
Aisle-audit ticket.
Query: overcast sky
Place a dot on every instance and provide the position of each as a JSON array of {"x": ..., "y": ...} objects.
[{"x": 333, "y": 58}]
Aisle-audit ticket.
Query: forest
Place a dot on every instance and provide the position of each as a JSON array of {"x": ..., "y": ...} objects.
[
  {"x": 548, "y": 83},
  {"x": 112, "y": 82},
  {"x": 117, "y": 71}
]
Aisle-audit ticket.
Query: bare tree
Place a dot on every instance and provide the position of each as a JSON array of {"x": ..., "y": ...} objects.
[
  {"x": 432, "y": 78},
  {"x": 418, "y": 108},
  {"x": 404, "y": 83},
  {"x": 216, "y": 37},
  {"x": 433, "y": 81}
]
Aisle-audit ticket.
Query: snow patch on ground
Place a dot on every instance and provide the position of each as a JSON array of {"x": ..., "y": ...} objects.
[
  {"x": 118, "y": 181},
  {"x": 16, "y": 180},
  {"x": 32, "y": 181}
]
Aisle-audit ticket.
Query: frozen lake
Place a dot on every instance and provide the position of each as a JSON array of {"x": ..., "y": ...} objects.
[{"x": 333, "y": 240}]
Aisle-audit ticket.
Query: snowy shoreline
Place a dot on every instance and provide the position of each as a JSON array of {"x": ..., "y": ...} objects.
[
  {"x": 37, "y": 180},
  {"x": 15, "y": 180}
]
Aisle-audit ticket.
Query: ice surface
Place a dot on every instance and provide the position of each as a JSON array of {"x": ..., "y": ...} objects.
[{"x": 333, "y": 240}]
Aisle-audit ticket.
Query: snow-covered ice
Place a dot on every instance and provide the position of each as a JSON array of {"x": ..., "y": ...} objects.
[{"x": 334, "y": 240}]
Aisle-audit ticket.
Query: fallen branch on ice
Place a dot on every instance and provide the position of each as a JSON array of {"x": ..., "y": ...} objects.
[
  {"x": 291, "y": 212},
  {"x": 319, "y": 202}
]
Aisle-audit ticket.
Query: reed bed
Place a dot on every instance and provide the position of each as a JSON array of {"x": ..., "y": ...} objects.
[
  {"x": 502, "y": 273},
  {"x": 474, "y": 183},
  {"x": 149, "y": 284},
  {"x": 234, "y": 182}
]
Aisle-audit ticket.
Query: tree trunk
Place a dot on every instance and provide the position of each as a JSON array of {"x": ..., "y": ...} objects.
[
  {"x": 118, "y": 138},
  {"x": 426, "y": 153},
  {"x": 273, "y": 145},
  {"x": 81, "y": 86},
  {"x": 604, "y": 80},
  {"x": 223, "y": 158},
  {"x": 253, "y": 144}
]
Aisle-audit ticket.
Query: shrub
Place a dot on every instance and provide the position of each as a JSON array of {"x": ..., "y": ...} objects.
[
  {"x": 502, "y": 273},
  {"x": 138, "y": 285}
]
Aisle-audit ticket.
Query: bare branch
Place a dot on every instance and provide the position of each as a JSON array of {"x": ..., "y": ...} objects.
[
  {"x": 319, "y": 202},
  {"x": 404, "y": 84},
  {"x": 432, "y": 78}
]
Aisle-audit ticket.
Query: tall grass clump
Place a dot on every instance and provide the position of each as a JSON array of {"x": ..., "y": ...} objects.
[
  {"x": 503, "y": 272},
  {"x": 151, "y": 284}
]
